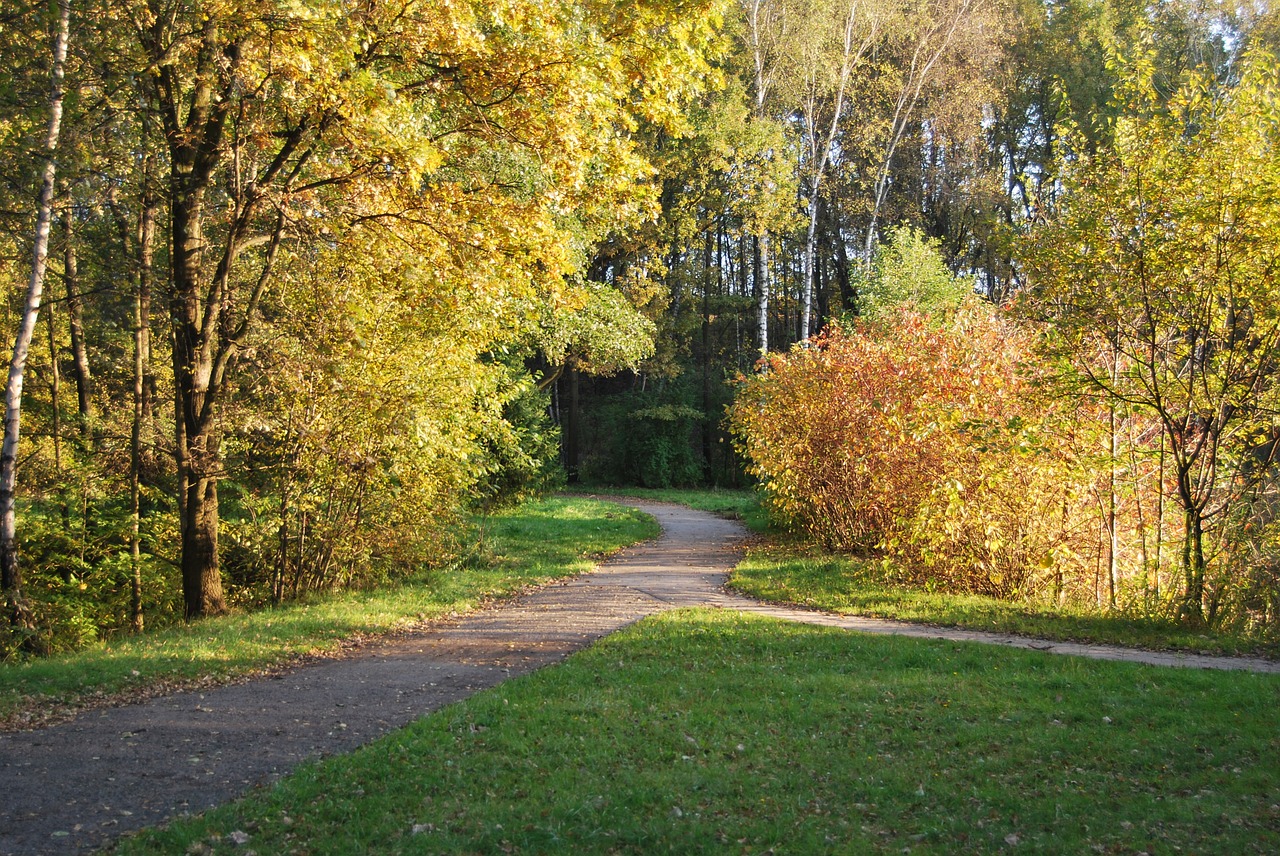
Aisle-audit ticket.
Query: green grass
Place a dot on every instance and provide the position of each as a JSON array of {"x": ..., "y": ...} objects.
[
  {"x": 715, "y": 732},
  {"x": 741, "y": 505},
  {"x": 526, "y": 546},
  {"x": 787, "y": 573}
]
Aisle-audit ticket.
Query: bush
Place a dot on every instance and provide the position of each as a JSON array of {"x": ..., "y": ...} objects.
[{"x": 925, "y": 443}]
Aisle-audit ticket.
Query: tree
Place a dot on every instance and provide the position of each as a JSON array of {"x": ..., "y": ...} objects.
[
  {"x": 908, "y": 269},
  {"x": 1158, "y": 281},
  {"x": 828, "y": 53},
  {"x": 10, "y": 572},
  {"x": 769, "y": 24},
  {"x": 493, "y": 128},
  {"x": 936, "y": 45}
]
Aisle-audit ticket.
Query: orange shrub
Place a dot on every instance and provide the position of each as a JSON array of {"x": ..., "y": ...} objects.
[
  {"x": 924, "y": 442},
  {"x": 849, "y": 434}
]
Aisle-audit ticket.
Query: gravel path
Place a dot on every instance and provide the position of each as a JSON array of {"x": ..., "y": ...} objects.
[{"x": 76, "y": 786}]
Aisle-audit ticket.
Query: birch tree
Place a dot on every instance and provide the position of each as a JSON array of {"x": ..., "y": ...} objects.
[
  {"x": 769, "y": 24},
  {"x": 10, "y": 570},
  {"x": 826, "y": 57}
]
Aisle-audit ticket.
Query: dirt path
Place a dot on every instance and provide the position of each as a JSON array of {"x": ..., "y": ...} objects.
[{"x": 76, "y": 786}]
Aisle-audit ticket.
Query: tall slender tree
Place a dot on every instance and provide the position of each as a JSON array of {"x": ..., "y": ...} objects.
[{"x": 10, "y": 571}]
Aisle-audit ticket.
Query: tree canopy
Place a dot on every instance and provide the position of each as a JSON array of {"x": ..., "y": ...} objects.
[{"x": 318, "y": 279}]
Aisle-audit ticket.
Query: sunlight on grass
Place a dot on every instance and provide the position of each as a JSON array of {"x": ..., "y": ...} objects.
[
  {"x": 711, "y": 731},
  {"x": 788, "y": 573},
  {"x": 521, "y": 547}
]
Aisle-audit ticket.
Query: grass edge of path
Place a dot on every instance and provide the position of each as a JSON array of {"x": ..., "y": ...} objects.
[
  {"x": 712, "y": 730},
  {"x": 528, "y": 546}
]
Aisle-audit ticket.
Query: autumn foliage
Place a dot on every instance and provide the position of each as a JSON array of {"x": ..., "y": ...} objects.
[{"x": 923, "y": 442}]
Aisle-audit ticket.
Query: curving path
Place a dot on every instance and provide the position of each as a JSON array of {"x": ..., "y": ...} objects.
[{"x": 76, "y": 786}]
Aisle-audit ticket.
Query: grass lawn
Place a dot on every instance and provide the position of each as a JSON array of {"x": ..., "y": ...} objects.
[
  {"x": 521, "y": 547},
  {"x": 715, "y": 732},
  {"x": 790, "y": 573}
]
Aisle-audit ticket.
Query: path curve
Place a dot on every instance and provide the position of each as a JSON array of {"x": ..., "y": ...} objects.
[{"x": 76, "y": 786}]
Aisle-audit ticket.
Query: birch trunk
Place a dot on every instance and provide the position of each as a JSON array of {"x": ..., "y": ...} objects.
[{"x": 10, "y": 572}]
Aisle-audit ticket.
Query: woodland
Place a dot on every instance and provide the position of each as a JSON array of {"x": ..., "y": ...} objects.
[{"x": 985, "y": 290}]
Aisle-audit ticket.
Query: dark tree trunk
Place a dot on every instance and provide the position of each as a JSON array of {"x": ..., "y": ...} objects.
[
  {"x": 201, "y": 575},
  {"x": 572, "y": 426},
  {"x": 75, "y": 320},
  {"x": 1192, "y": 608},
  {"x": 202, "y": 295}
]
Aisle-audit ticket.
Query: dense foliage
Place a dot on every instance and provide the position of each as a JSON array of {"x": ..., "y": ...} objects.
[
  {"x": 927, "y": 443},
  {"x": 304, "y": 256},
  {"x": 323, "y": 276}
]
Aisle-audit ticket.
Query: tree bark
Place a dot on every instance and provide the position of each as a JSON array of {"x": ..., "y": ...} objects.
[
  {"x": 760, "y": 268},
  {"x": 141, "y": 360},
  {"x": 205, "y": 337},
  {"x": 10, "y": 571},
  {"x": 55, "y": 398},
  {"x": 75, "y": 320},
  {"x": 708, "y": 425},
  {"x": 572, "y": 427},
  {"x": 201, "y": 572},
  {"x": 195, "y": 417},
  {"x": 1192, "y": 609}
]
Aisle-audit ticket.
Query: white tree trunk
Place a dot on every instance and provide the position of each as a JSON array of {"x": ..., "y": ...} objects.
[{"x": 9, "y": 570}]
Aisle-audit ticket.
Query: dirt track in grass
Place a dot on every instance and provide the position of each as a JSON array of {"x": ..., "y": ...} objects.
[{"x": 77, "y": 786}]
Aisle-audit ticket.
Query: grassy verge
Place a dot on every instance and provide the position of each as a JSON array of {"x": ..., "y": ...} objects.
[
  {"x": 526, "y": 546},
  {"x": 711, "y": 732},
  {"x": 792, "y": 574},
  {"x": 741, "y": 505}
]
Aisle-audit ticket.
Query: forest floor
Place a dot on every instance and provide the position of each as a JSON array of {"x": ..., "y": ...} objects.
[{"x": 79, "y": 785}]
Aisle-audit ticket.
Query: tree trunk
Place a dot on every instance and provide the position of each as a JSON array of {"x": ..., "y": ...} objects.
[
  {"x": 1192, "y": 609},
  {"x": 1113, "y": 502},
  {"x": 195, "y": 431},
  {"x": 571, "y": 426},
  {"x": 761, "y": 267},
  {"x": 141, "y": 359},
  {"x": 1160, "y": 516},
  {"x": 55, "y": 398},
  {"x": 75, "y": 320},
  {"x": 708, "y": 424},
  {"x": 201, "y": 573},
  {"x": 810, "y": 251},
  {"x": 10, "y": 572}
]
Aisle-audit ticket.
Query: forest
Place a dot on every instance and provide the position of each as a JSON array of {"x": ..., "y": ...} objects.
[{"x": 986, "y": 290}]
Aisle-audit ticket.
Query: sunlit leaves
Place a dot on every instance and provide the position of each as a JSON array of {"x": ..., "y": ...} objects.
[
  {"x": 596, "y": 327},
  {"x": 925, "y": 442},
  {"x": 1160, "y": 283},
  {"x": 908, "y": 269}
]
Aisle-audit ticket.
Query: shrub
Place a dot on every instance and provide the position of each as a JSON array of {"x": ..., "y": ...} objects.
[{"x": 925, "y": 443}]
